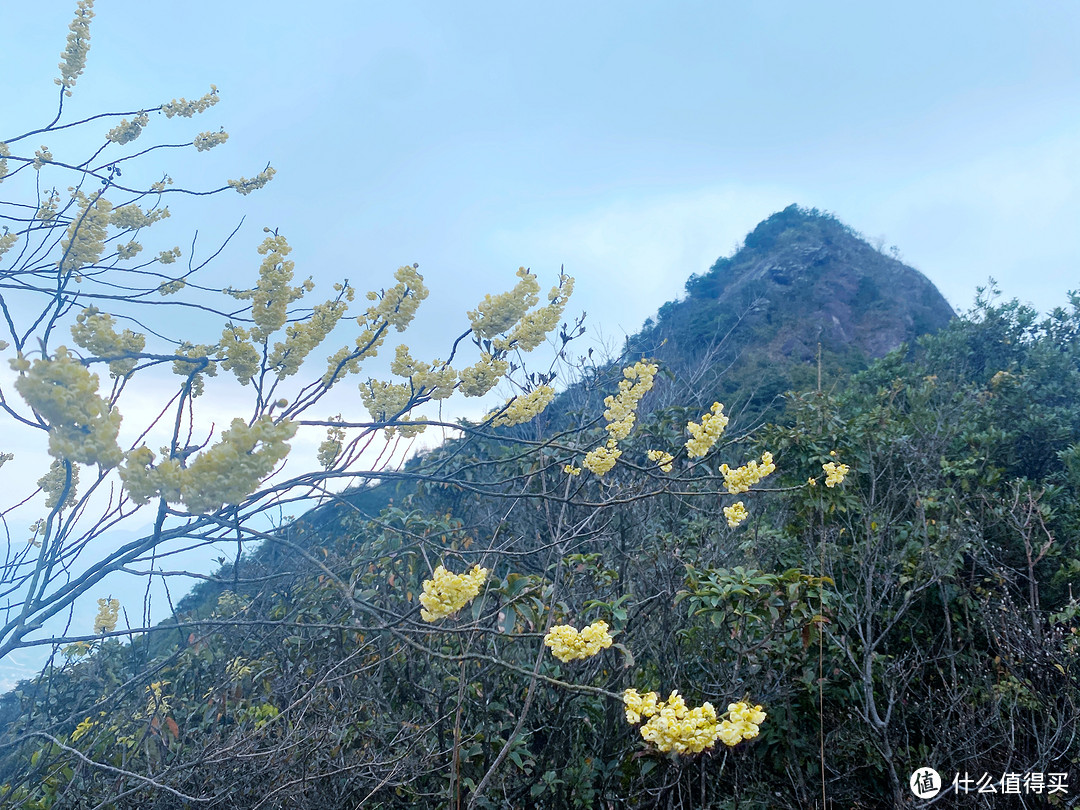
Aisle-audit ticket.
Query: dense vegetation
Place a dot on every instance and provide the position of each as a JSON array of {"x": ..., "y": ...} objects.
[{"x": 920, "y": 614}]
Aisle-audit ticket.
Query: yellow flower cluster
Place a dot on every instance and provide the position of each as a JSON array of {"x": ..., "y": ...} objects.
[
  {"x": 54, "y": 481},
  {"x": 601, "y": 459},
  {"x": 169, "y": 256},
  {"x": 569, "y": 644},
  {"x": 78, "y": 43},
  {"x": 303, "y": 337},
  {"x": 394, "y": 307},
  {"x": 200, "y": 354},
  {"x": 743, "y": 723},
  {"x": 170, "y": 287},
  {"x": 82, "y": 426},
  {"x": 82, "y": 729},
  {"x": 498, "y": 313},
  {"x": 128, "y": 251},
  {"x": 638, "y": 705},
  {"x": 41, "y": 157},
  {"x": 741, "y": 479},
  {"x": 620, "y": 409},
  {"x": 127, "y": 131},
  {"x": 435, "y": 379},
  {"x": 703, "y": 436},
  {"x": 186, "y": 109},
  {"x": 620, "y": 414},
  {"x": 93, "y": 330},
  {"x": 208, "y": 140},
  {"x": 238, "y": 353},
  {"x": 385, "y": 401},
  {"x": 131, "y": 217},
  {"x": 672, "y": 727},
  {"x": 570, "y": 469},
  {"x": 47, "y": 210},
  {"x": 330, "y": 449},
  {"x": 662, "y": 459},
  {"x": 272, "y": 294},
  {"x": 483, "y": 375},
  {"x": 533, "y": 327},
  {"x": 521, "y": 409},
  {"x": 108, "y": 614},
  {"x": 157, "y": 703},
  {"x": 245, "y": 186},
  {"x": 834, "y": 473},
  {"x": 6, "y": 242},
  {"x": 5, "y": 153},
  {"x": 225, "y": 474},
  {"x": 445, "y": 593},
  {"x": 735, "y": 514},
  {"x": 85, "y": 240}
]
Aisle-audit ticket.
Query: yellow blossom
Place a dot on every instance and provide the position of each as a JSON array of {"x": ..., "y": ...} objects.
[
  {"x": 186, "y": 109},
  {"x": 82, "y": 729},
  {"x": 54, "y": 482},
  {"x": 620, "y": 409},
  {"x": 94, "y": 332},
  {"x": 208, "y": 140},
  {"x": 127, "y": 131},
  {"x": 674, "y": 728},
  {"x": 330, "y": 449},
  {"x": 743, "y": 723},
  {"x": 735, "y": 514},
  {"x": 741, "y": 479},
  {"x": 569, "y": 644},
  {"x": 662, "y": 459},
  {"x": 703, "y": 436},
  {"x": 570, "y": 469},
  {"x": 245, "y": 186},
  {"x": 602, "y": 459},
  {"x": 523, "y": 408},
  {"x": 498, "y": 313},
  {"x": 638, "y": 705},
  {"x": 445, "y": 593},
  {"x": 533, "y": 327},
  {"x": 78, "y": 43},
  {"x": 482, "y": 376},
  {"x": 108, "y": 614},
  {"x": 834, "y": 473},
  {"x": 85, "y": 239},
  {"x": 83, "y": 427}
]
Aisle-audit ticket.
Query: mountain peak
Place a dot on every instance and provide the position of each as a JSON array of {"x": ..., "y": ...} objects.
[{"x": 802, "y": 278}]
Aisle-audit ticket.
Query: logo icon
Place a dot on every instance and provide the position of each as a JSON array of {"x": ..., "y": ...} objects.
[{"x": 925, "y": 783}]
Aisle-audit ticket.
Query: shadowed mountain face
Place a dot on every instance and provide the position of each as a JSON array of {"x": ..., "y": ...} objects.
[{"x": 802, "y": 278}]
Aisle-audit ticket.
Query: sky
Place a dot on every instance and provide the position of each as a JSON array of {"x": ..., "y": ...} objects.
[{"x": 630, "y": 143}]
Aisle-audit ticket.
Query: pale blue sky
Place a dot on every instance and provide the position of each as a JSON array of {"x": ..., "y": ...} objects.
[{"x": 633, "y": 143}]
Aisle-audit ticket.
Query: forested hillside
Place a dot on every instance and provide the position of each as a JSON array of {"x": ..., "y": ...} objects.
[{"x": 918, "y": 611}]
